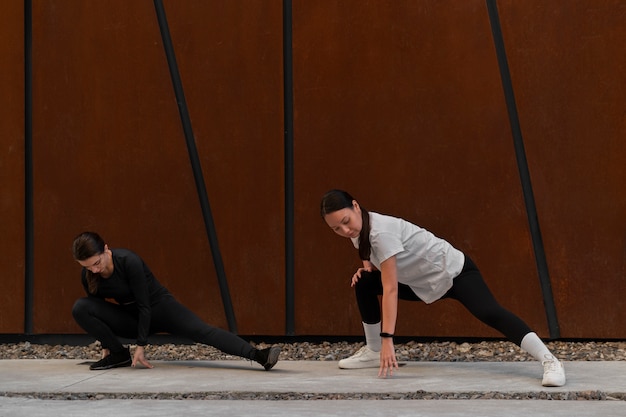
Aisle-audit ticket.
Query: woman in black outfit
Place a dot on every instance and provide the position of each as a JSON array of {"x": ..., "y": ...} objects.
[{"x": 143, "y": 307}]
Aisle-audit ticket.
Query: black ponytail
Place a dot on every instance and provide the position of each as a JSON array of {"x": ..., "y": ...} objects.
[{"x": 365, "y": 246}]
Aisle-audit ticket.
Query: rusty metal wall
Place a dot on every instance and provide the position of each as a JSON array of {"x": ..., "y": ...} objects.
[
  {"x": 568, "y": 72},
  {"x": 12, "y": 208},
  {"x": 399, "y": 102},
  {"x": 406, "y": 112},
  {"x": 111, "y": 155}
]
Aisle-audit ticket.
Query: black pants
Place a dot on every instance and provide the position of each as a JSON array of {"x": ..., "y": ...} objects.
[
  {"x": 468, "y": 288},
  {"x": 107, "y": 321}
]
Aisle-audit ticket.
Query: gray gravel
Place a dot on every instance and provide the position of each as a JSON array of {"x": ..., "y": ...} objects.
[
  {"x": 307, "y": 396},
  {"x": 489, "y": 351}
]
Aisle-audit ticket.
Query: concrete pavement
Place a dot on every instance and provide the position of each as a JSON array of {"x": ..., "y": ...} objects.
[{"x": 307, "y": 388}]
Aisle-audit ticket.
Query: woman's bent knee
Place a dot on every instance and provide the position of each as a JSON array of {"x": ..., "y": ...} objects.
[
  {"x": 369, "y": 282},
  {"x": 81, "y": 307}
]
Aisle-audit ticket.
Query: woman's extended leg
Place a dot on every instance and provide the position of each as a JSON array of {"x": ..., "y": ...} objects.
[
  {"x": 168, "y": 315},
  {"x": 470, "y": 289}
]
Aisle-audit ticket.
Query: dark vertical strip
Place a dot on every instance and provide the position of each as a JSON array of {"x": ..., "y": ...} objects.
[
  {"x": 522, "y": 163},
  {"x": 289, "y": 170},
  {"x": 29, "y": 264},
  {"x": 195, "y": 164}
]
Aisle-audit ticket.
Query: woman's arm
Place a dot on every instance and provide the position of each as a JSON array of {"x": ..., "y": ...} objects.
[
  {"x": 389, "y": 274},
  {"x": 134, "y": 273},
  {"x": 138, "y": 282}
]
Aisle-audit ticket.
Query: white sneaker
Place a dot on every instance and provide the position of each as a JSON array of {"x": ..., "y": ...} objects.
[
  {"x": 553, "y": 372},
  {"x": 363, "y": 358}
]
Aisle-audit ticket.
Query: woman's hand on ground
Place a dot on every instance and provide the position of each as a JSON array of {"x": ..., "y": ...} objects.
[
  {"x": 139, "y": 357},
  {"x": 387, "y": 359}
]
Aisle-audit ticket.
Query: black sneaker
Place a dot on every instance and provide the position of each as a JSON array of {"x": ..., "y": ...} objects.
[
  {"x": 267, "y": 357},
  {"x": 114, "y": 360}
]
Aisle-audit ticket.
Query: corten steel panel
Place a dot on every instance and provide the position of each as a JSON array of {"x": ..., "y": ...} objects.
[
  {"x": 568, "y": 69},
  {"x": 400, "y": 103},
  {"x": 110, "y": 156},
  {"x": 12, "y": 168},
  {"x": 230, "y": 59}
]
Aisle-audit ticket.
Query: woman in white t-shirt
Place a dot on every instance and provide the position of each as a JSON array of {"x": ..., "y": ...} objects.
[{"x": 404, "y": 261}]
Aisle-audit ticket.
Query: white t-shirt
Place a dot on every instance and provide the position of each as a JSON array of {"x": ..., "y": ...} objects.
[{"x": 425, "y": 262}]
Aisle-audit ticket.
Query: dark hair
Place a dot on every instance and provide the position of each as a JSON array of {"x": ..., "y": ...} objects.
[
  {"x": 335, "y": 200},
  {"x": 86, "y": 245}
]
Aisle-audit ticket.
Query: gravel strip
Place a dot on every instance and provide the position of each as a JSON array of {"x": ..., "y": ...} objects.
[
  {"x": 486, "y": 351},
  {"x": 309, "y": 396}
]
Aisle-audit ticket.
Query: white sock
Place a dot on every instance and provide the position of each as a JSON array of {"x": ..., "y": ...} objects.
[
  {"x": 372, "y": 336},
  {"x": 532, "y": 344}
]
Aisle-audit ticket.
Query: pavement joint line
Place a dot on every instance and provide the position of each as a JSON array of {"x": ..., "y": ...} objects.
[
  {"x": 314, "y": 396},
  {"x": 81, "y": 381}
]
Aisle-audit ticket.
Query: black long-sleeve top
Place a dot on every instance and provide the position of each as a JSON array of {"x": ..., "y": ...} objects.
[{"x": 131, "y": 282}]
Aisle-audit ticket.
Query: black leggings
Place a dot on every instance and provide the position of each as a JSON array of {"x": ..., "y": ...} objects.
[
  {"x": 107, "y": 321},
  {"x": 468, "y": 288}
]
